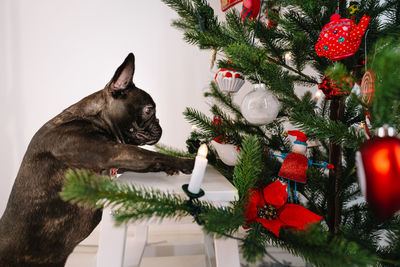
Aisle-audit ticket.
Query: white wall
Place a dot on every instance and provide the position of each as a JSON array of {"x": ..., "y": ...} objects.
[{"x": 54, "y": 52}]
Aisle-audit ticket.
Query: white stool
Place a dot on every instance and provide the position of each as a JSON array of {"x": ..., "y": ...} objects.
[{"x": 217, "y": 189}]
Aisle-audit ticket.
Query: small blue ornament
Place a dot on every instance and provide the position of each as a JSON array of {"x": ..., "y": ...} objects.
[
  {"x": 341, "y": 40},
  {"x": 325, "y": 47},
  {"x": 335, "y": 31}
]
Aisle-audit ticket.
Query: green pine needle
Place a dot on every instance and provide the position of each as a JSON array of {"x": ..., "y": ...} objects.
[{"x": 249, "y": 167}]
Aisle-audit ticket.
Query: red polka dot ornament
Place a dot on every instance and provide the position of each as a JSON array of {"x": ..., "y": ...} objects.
[
  {"x": 228, "y": 80},
  {"x": 340, "y": 38}
]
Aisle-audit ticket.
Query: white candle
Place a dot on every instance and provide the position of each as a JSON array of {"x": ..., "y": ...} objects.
[{"x": 199, "y": 169}]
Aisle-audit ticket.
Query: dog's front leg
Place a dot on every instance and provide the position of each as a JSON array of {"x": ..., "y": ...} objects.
[
  {"x": 133, "y": 158},
  {"x": 90, "y": 153}
]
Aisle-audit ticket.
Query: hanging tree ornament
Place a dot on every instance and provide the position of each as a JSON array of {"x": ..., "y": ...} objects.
[
  {"x": 250, "y": 9},
  {"x": 332, "y": 90},
  {"x": 354, "y": 7},
  {"x": 227, "y": 153},
  {"x": 213, "y": 57},
  {"x": 260, "y": 106},
  {"x": 228, "y": 80},
  {"x": 367, "y": 90},
  {"x": 378, "y": 169},
  {"x": 295, "y": 164},
  {"x": 367, "y": 87},
  {"x": 340, "y": 38},
  {"x": 227, "y": 4}
]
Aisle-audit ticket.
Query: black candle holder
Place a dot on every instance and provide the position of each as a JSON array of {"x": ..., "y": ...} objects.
[
  {"x": 190, "y": 194},
  {"x": 194, "y": 204}
]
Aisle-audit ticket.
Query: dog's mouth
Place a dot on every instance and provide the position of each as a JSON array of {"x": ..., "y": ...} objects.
[{"x": 148, "y": 134}]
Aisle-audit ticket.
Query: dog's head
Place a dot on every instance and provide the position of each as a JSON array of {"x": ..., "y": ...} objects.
[{"x": 131, "y": 111}]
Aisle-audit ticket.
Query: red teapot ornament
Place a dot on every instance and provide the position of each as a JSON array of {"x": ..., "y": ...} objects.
[{"x": 340, "y": 38}]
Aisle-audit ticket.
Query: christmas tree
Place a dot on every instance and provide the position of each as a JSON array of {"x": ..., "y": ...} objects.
[{"x": 316, "y": 212}]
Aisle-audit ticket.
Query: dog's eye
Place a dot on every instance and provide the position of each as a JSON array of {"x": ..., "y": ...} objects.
[{"x": 148, "y": 110}]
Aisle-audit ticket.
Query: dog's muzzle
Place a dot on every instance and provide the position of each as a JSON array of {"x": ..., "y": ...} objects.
[{"x": 148, "y": 134}]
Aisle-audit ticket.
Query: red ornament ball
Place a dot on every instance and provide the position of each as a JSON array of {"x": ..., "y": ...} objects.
[
  {"x": 340, "y": 38},
  {"x": 378, "y": 168}
]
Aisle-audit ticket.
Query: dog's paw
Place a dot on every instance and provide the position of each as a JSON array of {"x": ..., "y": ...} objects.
[
  {"x": 172, "y": 172},
  {"x": 187, "y": 166},
  {"x": 178, "y": 165}
]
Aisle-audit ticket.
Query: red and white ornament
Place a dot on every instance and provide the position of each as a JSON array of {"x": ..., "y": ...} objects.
[
  {"x": 378, "y": 169},
  {"x": 295, "y": 165},
  {"x": 367, "y": 87},
  {"x": 340, "y": 38},
  {"x": 229, "y": 80}
]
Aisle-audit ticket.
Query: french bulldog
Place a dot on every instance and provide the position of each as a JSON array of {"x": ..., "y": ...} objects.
[{"x": 100, "y": 132}]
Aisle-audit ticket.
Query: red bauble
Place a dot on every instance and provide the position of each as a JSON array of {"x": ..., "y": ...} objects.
[
  {"x": 330, "y": 88},
  {"x": 340, "y": 38},
  {"x": 227, "y": 4},
  {"x": 378, "y": 168},
  {"x": 251, "y": 8}
]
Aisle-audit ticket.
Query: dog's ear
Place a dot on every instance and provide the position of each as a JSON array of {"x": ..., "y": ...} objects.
[{"x": 123, "y": 76}]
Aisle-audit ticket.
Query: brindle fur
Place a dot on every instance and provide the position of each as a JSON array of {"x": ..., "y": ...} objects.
[{"x": 99, "y": 132}]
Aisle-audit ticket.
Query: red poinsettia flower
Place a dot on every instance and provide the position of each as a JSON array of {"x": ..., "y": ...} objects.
[{"x": 269, "y": 208}]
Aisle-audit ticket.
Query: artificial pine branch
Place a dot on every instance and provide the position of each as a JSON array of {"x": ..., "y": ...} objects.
[
  {"x": 133, "y": 203},
  {"x": 319, "y": 248},
  {"x": 254, "y": 247},
  {"x": 93, "y": 191},
  {"x": 164, "y": 149},
  {"x": 322, "y": 128},
  {"x": 234, "y": 130},
  {"x": 248, "y": 169},
  {"x": 199, "y": 119},
  {"x": 385, "y": 107},
  {"x": 224, "y": 99}
]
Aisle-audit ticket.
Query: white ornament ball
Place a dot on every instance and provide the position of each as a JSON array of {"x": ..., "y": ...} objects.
[{"x": 260, "y": 106}]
